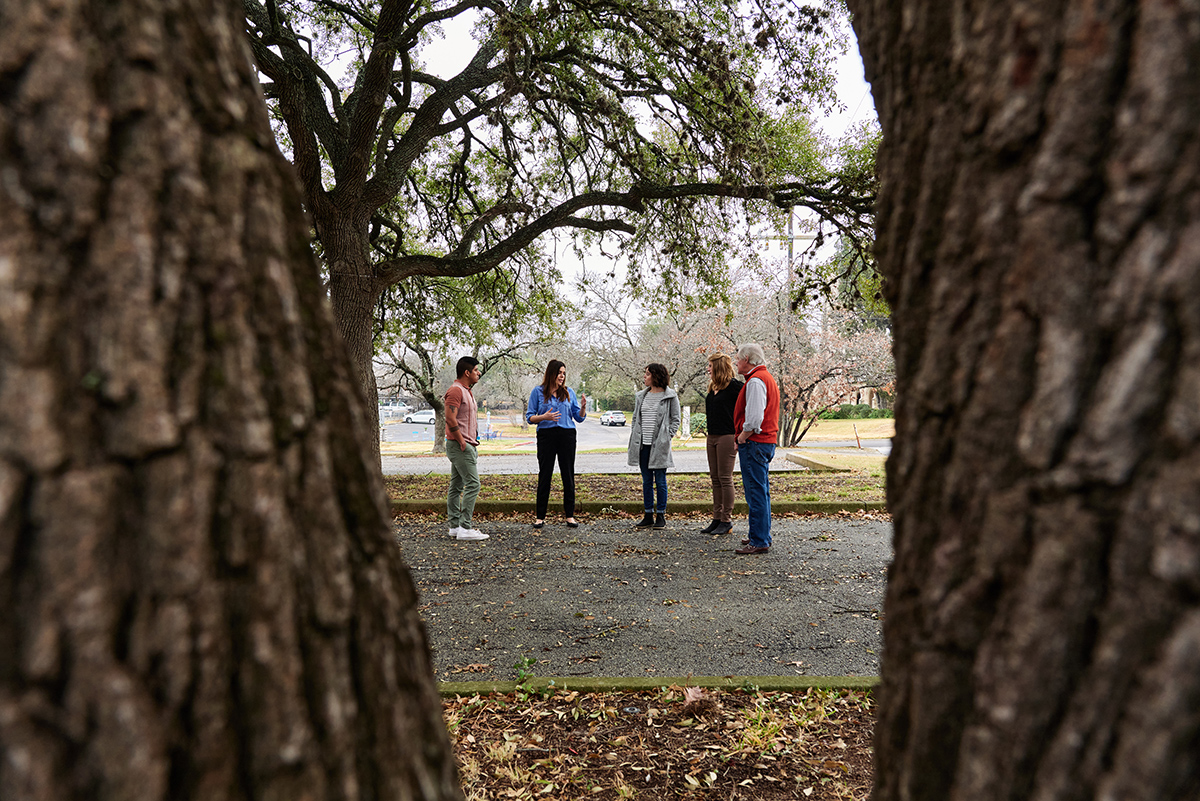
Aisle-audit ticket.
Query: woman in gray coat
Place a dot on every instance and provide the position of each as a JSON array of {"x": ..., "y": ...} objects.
[{"x": 656, "y": 418}]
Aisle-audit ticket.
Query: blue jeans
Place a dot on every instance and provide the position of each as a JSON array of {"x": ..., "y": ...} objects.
[
  {"x": 756, "y": 462},
  {"x": 652, "y": 480}
]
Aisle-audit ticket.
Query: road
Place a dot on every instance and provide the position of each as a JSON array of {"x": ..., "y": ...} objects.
[{"x": 592, "y": 437}]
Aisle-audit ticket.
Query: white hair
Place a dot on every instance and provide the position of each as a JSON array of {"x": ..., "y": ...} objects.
[{"x": 753, "y": 354}]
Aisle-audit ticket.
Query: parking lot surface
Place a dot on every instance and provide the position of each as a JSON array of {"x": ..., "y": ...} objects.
[{"x": 608, "y": 600}]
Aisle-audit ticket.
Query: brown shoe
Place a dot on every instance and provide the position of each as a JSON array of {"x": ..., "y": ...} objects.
[
  {"x": 745, "y": 542},
  {"x": 750, "y": 549}
]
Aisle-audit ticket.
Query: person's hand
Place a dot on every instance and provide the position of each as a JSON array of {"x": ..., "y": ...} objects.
[
  {"x": 551, "y": 415},
  {"x": 583, "y": 403}
]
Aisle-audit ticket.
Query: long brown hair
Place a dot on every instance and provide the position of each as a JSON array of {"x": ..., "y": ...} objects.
[
  {"x": 551, "y": 379},
  {"x": 722, "y": 372}
]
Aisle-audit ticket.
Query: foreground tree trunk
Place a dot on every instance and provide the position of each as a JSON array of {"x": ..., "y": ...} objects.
[
  {"x": 1039, "y": 228},
  {"x": 201, "y": 596}
]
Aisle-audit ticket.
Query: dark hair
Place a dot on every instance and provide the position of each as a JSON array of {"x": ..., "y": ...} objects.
[
  {"x": 550, "y": 380},
  {"x": 465, "y": 364},
  {"x": 659, "y": 377}
]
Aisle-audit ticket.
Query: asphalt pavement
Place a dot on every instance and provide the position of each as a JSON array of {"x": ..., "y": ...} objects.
[{"x": 606, "y": 600}]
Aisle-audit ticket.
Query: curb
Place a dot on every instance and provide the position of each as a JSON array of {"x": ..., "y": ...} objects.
[
  {"x": 635, "y": 508},
  {"x": 450, "y": 689}
]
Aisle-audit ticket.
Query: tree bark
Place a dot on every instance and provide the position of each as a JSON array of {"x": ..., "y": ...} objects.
[
  {"x": 201, "y": 594},
  {"x": 1039, "y": 230},
  {"x": 353, "y": 293}
]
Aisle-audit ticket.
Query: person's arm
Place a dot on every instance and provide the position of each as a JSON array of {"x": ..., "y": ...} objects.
[
  {"x": 535, "y": 402},
  {"x": 578, "y": 407},
  {"x": 756, "y": 405},
  {"x": 453, "y": 401},
  {"x": 531, "y": 407}
]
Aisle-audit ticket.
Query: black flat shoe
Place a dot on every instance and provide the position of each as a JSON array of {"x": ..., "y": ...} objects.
[
  {"x": 572, "y": 524},
  {"x": 539, "y": 523}
]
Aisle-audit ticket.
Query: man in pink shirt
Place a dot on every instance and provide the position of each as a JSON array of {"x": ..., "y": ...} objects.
[{"x": 462, "y": 440}]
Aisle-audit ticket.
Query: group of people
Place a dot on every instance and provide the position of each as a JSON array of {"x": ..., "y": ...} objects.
[{"x": 743, "y": 418}]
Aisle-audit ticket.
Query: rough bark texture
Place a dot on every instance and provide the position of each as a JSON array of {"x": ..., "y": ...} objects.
[
  {"x": 1039, "y": 227},
  {"x": 353, "y": 293},
  {"x": 201, "y": 597}
]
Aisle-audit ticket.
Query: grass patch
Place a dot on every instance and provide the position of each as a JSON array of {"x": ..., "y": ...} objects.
[{"x": 804, "y": 487}]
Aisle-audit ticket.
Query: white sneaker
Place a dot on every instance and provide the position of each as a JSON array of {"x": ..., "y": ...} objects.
[
  {"x": 471, "y": 534},
  {"x": 454, "y": 532}
]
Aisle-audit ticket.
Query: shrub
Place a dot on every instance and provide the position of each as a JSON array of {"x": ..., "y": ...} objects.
[{"x": 699, "y": 423}]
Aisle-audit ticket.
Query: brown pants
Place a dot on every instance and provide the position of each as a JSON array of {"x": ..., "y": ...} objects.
[{"x": 722, "y": 453}]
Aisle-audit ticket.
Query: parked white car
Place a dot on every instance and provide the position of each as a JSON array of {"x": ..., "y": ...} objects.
[
  {"x": 426, "y": 416},
  {"x": 388, "y": 412},
  {"x": 612, "y": 418}
]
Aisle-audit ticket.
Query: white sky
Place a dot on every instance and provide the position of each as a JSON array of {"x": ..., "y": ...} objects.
[
  {"x": 853, "y": 92},
  {"x": 852, "y": 89}
]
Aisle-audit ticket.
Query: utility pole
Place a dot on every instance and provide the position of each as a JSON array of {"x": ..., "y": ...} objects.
[{"x": 791, "y": 237}]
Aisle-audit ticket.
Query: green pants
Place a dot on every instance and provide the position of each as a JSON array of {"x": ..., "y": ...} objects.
[{"x": 464, "y": 484}]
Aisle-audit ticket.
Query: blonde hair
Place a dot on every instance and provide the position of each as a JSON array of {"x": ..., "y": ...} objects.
[{"x": 722, "y": 372}]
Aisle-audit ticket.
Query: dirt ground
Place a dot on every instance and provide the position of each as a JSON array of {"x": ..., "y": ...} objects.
[{"x": 673, "y": 742}]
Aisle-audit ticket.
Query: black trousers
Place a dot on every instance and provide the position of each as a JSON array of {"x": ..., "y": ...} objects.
[{"x": 556, "y": 443}]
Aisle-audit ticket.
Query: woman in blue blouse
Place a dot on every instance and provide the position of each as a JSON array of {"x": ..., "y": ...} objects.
[{"x": 555, "y": 410}]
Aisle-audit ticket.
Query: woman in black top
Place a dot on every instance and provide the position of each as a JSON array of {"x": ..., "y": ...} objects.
[{"x": 722, "y": 396}]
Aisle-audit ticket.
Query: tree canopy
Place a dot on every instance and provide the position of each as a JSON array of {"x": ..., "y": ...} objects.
[
  {"x": 569, "y": 114},
  {"x": 591, "y": 118}
]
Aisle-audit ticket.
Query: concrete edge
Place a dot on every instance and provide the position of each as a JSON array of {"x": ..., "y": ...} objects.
[
  {"x": 449, "y": 689},
  {"x": 816, "y": 465},
  {"x": 635, "y": 507}
]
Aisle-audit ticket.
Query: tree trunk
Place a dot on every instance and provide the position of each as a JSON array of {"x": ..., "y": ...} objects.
[
  {"x": 439, "y": 421},
  {"x": 1039, "y": 230},
  {"x": 201, "y": 594},
  {"x": 353, "y": 293}
]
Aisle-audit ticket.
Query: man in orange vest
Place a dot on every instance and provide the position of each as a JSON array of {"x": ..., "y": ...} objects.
[{"x": 756, "y": 421}]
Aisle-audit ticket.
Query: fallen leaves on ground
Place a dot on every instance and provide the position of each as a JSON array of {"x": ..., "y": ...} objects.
[{"x": 672, "y": 742}]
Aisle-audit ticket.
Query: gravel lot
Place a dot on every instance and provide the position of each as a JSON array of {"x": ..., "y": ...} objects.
[{"x": 607, "y": 600}]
